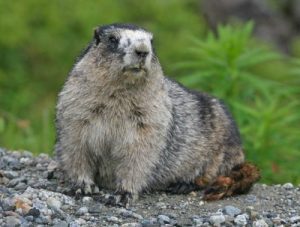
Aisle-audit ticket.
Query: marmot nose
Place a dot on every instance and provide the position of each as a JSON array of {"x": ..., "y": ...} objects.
[{"x": 141, "y": 53}]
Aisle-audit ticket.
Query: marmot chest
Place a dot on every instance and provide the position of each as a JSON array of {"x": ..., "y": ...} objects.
[{"x": 114, "y": 126}]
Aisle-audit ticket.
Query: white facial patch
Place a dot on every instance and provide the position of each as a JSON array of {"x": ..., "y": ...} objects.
[
  {"x": 135, "y": 40},
  {"x": 135, "y": 37}
]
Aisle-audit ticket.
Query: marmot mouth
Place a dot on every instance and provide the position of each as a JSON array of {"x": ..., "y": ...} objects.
[{"x": 134, "y": 68}]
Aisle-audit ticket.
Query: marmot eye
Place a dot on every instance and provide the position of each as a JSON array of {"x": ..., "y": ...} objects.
[{"x": 113, "y": 39}]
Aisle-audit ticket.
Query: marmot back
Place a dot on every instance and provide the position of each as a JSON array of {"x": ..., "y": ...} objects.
[{"x": 122, "y": 124}]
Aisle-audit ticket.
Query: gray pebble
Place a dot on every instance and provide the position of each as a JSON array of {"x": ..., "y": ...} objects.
[
  {"x": 113, "y": 219},
  {"x": 10, "y": 174},
  {"x": 82, "y": 211},
  {"x": 53, "y": 203},
  {"x": 250, "y": 198},
  {"x": 2, "y": 152},
  {"x": 43, "y": 220},
  {"x": 124, "y": 212},
  {"x": 131, "y": 225},
  {"x": 12, "y": 221},
  {"x": 87, "y": 199},
  {"x": 7, "y": 204},
  {"x": 295, "y": 219},
  {"x": 197, "y": 221},
  {"x": 29, "y": 218},
  {"x": 161, "y": 205},
  {"x": 95, "y": 208},
  {"x": 241, "y": 219},
  {"x": 163, "y": 219},
  {"x": 217, "y": 219},
  {"x": 21, "y": 186},
  {"x": 27, "y": 154},
  {"x": 34, "y": 212},
  {"x": 288, "y": 186},
  {"x": 260, "y": 223},
  {"x": 231, "y": 211},
  {"x": 150, "y": 221},
  {"x": 137, "y": 216},
  {"x": 26, "y": 161},
  {"x": 12, "y": 183},
  {"x": 61, "y": 224},
  {"x": 73, "y": 224}
]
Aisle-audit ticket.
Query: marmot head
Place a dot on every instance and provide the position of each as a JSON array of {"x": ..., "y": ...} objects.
[{"x": 124, "y": 52}]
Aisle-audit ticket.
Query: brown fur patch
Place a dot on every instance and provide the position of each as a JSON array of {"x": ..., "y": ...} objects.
[
  {"x": 239, "y": 181},
  {"x": 201, "y": 182}
]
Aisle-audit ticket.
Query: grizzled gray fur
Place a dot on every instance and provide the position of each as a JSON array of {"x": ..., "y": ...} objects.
[{"x": 122, "y": 124}]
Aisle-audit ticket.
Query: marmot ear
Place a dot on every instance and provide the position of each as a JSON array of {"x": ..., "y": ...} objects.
[{"x": 97, "y": 36}]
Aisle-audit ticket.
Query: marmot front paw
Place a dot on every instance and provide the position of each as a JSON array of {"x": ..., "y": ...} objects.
[
  {"x": 85, "y": 189},
  {"x": 119, "y": 198}
]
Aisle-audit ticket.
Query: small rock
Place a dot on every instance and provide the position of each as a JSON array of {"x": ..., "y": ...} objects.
[
  {"x": 82, "y": 211},
  {"x": 250, "y": 198},
  {"x": 2, "y": 152},
  {"x": 34, "y": 212},
  {"x": 124, "y": 212},
  {"x": 253, "y": 215},
  {"x": 23, "y": 205},
  {"x": 113, "y": 219},
  {"x": 53, "y": 203},
  {"x": 52, "y": 166},
  {"x": 73, "y": 224},
  {"x": 163, "y": 219},
  {"x": 8, "y": 204},
  {"x": 161, "y": 205},
  {"x": 131, "y": 225},
  {"x": 26, "y": 161},
  {"x": 149, "y": 222},
  {"x": 137, "y": 216},
  {"x": 61, "y": 224},
  {"x": 231, "y": 211},
  {"x": 12, "y": 183},
  {"x": 80, "y": 221},
  {"x": 288, "y": 186},
  {"x": 295, "y": 219},
  {"x": 172, "y": 215},
  {"x": 20, "y": 186},
  {"x": 241, "y": 219},
  {"x": 10, "y": 174},
  {"x": 260, "y": 223},
  {"x": 193, "y": 194},
  {"x": 43, "y": 220},
  {"x": 201, "y": 203},
  {"x": 4, "y": 180},
  {"x": 12, "y": 221},
  {"x": 87, "y": 200},
  {"x": 29, "y": 218},
  {"x": 27, "y": 154},
  {"x": 197, "y": 221},
  {"x": 11, "y": 162},
  {"x": 95, "y": 209},
  {"x": 217, "y": 219},
  {"x": 43, "y": 156}
]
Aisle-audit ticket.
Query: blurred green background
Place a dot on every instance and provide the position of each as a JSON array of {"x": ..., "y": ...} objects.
[{"x": 232, "y": 57}]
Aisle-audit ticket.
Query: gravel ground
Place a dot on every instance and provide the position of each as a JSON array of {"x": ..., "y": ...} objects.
[{"x": 29, "y": 196}]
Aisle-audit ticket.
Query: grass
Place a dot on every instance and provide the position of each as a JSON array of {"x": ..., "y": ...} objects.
[{"x": 234, "y": 67}]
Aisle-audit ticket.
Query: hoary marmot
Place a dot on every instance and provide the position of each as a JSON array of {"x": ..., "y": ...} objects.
[{"x": 121, "y": 124}]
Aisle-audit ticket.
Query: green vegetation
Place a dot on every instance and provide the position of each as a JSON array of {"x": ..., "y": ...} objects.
[
  {"x": 265, "y": 105},
  {"x": 40, "y": 39}
]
